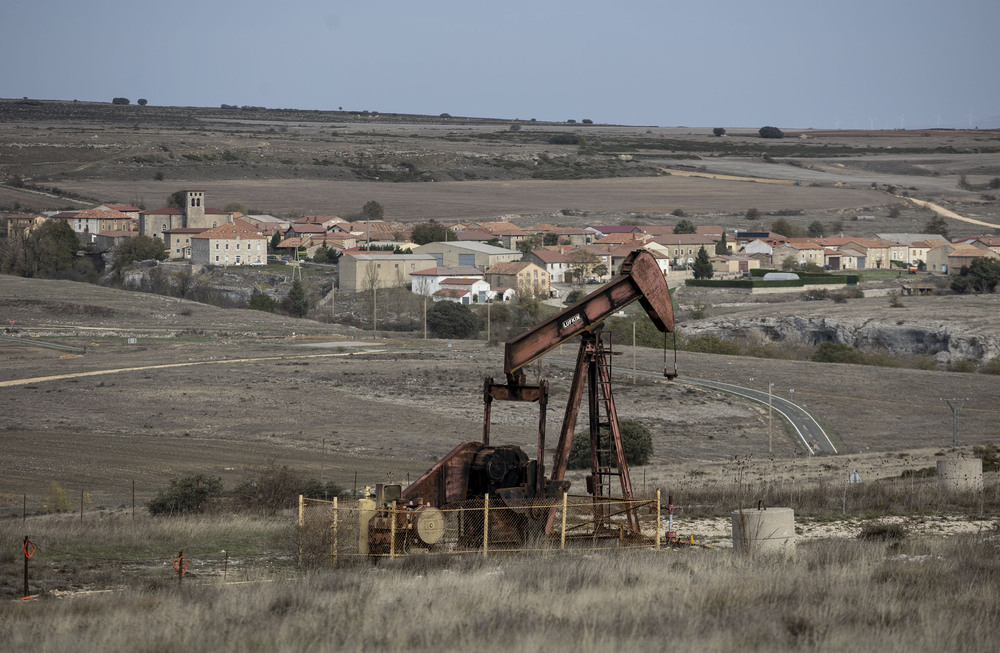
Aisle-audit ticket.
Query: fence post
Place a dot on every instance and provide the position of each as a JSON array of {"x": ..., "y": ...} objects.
[
  {"x": 657, "y": 519},
  {"x": 81, "y": 505},
  {"x": 29, "y": 550},
  {"x": 335, "y": 545},
  {"x": 562, "y": 538},
  {"x": 486, "y": 524},
  {"x": 302, "y": 524},
  {"x": 392, "y": 532}
]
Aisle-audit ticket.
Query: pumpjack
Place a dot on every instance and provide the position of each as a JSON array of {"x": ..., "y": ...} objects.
[{"x": 522, "y": 497}]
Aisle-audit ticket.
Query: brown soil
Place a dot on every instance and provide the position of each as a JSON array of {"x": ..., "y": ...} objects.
[{"x": 211, "y": 389}]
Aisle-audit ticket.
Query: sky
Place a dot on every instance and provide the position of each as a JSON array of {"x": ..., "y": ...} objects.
[{"x": 851, "y": 64}]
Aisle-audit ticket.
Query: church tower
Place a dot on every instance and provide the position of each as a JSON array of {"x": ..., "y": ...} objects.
[{"x": 194, "y": 209}]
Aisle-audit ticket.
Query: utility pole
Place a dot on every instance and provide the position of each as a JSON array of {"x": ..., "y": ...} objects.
[{"x": 956, "y": 406}]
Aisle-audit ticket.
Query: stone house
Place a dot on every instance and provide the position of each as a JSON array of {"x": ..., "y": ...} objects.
[
  {"x": 523, "y": 277},
  {"x": 228, "y": 244},
  {"x": 949, "y": 259},
  {"x": 194, "y": 215}
]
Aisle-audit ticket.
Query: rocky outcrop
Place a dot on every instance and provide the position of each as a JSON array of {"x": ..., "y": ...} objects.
[{"x": 946, "y": 342}]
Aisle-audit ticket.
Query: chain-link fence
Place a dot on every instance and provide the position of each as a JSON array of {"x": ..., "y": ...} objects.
[{"x": 341, "y": 532}]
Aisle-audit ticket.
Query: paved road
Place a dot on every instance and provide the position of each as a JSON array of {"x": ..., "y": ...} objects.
[{"x": 810, "y": 433}]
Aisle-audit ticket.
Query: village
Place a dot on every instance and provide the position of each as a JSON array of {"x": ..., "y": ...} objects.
[{"x": 476, "y": 262}]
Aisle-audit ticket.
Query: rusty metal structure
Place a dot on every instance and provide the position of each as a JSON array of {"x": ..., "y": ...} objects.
[{"x": 523, "y": 495}]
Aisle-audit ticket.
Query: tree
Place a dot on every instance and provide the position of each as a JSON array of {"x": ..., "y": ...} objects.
[
  {"x": 981, "y": 275},
  {"x": 789, "y": 263},
  {"x": 936, "y": 225},
  {"x": 372, "y": 210},
  {"x": 432, "y": 232},
  {"x": 296, "y": 303},
  {"x": 722, "y": 247},
  {"x": 142, "y": 102},
  {"x": 275, "y": 241},
  {"x": 140, "y": 248},
  {"x": 48, "y": 251},
  {"x": 235, "y": 207},
  {"x": 637, "y": 444},
  {"x": 451, "y": 320},
  {"x": 770, "y": 132},
  {"x": 120, "y": 100},
  {"x": 550, "y": 239},
  {"x": 753, "y": 214},
  {"x": 685, "y": 227},
  {"x": 784, "y": 227},
  {"x": 530, "y": 243},
  {"x": 719, "y": 131},
  {"x": 581, "y": 264},
  {"x": 816, "y": 229},
  {"x": 702, "y": 267},
  {"x": 177, "y": 200}
]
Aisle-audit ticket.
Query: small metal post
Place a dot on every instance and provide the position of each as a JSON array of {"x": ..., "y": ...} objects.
[
  {"x": 225, "y": 565},
  {"x": 658, "y": 507},
  {"x": 27, "y": 556},
  {"x": 392, "y": 530},
  {"x": 562, "y": 537},
  {"x": 336, "y": 543},
  {"x": 486, "y": 525},
  {"x": 133, "y": 498},
  {"x": 81, "y": 506},
  {"x": 302, "y": 524},
  {"x": 770, "y": 422}
]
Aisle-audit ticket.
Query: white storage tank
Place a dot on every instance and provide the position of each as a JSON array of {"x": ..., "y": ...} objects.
[
  {"x": 960, "y": 473},
  {"x": 764, "y": 530}
]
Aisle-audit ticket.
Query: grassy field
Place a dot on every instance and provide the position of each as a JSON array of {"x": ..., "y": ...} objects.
[{"x": 833, "y": 594}]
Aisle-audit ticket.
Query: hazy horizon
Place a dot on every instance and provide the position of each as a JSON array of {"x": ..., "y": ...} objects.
[{"x": 886, "y": 64}]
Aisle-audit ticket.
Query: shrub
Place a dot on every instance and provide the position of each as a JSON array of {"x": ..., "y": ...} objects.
[
  {"x": 260, "y": 301},
  {"x": 964, "y": 366},
  {"x": 637, "y": 443},
  {"x": 187, "y": 494},
  {"x": 835, "y": 352},
  {"x": 564, "y": 139},
  {"x": 991, "y": 366},
  {"x": 880, "y": 531},
  {"x": 713, "y": 345},
  {"x": 987, "y": 452},
  {"x": 752, "y": 214},
  {"x": 719, "y": 131},
  {"x": 270, "y": 487},
  {"x": 451, "y": 320},
  {"x": 770, "y": 132},
  {"x": 56, "y": 499},
  {"x": 142, "y": 102},
  {"x": 120, "y": 100}
]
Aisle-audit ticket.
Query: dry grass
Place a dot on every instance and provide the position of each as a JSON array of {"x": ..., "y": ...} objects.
[{"x": 832, "y": 595}]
